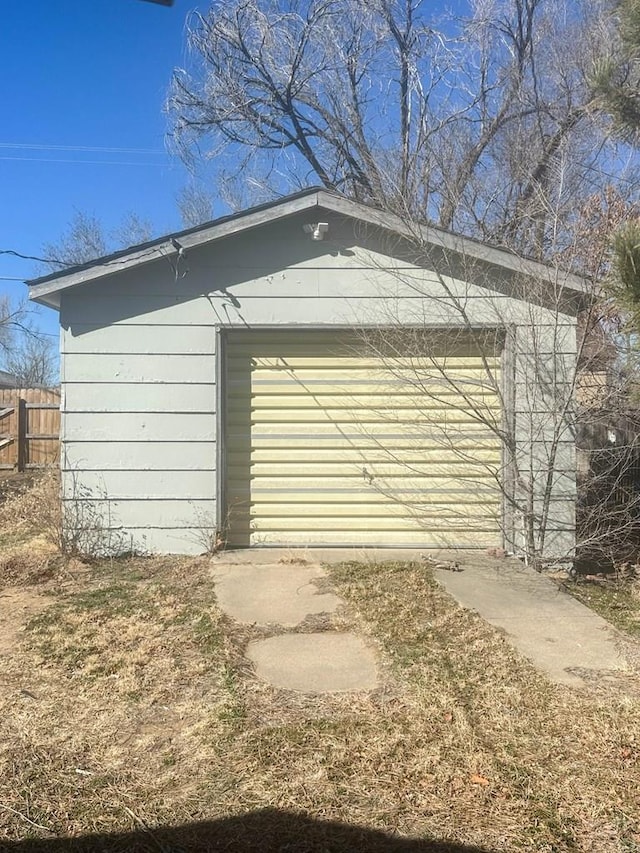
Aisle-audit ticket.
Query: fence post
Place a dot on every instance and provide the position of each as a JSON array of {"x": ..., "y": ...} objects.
[
  {"x": 15, "y": 447},
  {"x": 21, "y": 433}
]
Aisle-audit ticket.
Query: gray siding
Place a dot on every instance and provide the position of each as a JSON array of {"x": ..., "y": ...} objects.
[
  {"x": 139, "y": 366},
  {"x": 139, "y": 429}
]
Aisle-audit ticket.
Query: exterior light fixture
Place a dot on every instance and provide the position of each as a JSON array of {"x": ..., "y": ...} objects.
[{"x": 317, "y": 231}]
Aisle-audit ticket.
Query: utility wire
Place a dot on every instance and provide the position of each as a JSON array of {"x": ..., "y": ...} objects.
[
  {"x": 80, "y": 162},
  {"x": 613, "y": 177},
  {"x": 104, "y": 149},
  {"x": 98, "y": 262},
  {"x": 22, "y": 257}
]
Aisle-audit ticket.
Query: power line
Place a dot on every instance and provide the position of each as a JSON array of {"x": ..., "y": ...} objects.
[
  {"x": 104, "y": 149},
  {"x": 107, "y": 261},
  {"x": 80, "y": 162},
  {"x": 613, "y": 177},
  {"x": 22, "y": 257}
]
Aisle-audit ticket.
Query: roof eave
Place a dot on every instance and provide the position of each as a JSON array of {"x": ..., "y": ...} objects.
[
  {"x": 168, "y": 246},
  {"x": 462, "y": 246},
  {"x": 46, "y": 290}
]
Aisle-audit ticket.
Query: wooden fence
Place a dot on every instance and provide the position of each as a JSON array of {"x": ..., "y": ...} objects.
[{"x": 29, "y": 428}]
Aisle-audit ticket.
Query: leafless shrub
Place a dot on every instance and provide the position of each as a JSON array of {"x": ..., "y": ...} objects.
[
  {"x": 79, "y": 525},
  {"x": 207, "y": 533}
]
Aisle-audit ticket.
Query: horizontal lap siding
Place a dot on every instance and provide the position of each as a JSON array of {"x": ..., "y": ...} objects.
[
  {"x": 142, "y": 455},
  {"x": 153, "y": 484},
  {"x": 142, "y": 513},
  {"x": 139, "y": 430},
  {"x": 544, "y": 359},
  {"x": 253, "y": 309},
  {"x": 545, "y": 366},
  {"x": 135, "y": 337},
  {"x": 190, "y": 397},
  {"x": 115, "y": 427},
  {"x": 306, "y": 417},
  {"x": 141, "y": 367},
  {"x": 352, "y": 290}
]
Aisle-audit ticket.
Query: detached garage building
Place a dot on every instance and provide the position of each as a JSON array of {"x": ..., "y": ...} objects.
[{"x": 313, "y": 372}]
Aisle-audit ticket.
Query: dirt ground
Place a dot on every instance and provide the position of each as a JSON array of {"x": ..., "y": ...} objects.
[
  {"x": 13, "y": 482},
  {"x": 17, "y": 607}
]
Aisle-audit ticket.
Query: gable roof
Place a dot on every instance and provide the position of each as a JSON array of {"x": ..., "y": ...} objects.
[
  {"x": 46, "y": 289},
  {"x": 8, "y": 380}
]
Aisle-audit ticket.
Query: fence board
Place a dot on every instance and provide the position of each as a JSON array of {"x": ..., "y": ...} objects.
[{"x": 29, "y": 427}]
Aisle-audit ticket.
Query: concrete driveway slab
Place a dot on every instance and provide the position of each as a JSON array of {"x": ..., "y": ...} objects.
[
  {"x": 315, "y": 663},
  {"x": 555, "y": 631},
  {"x": 271, "y": 593}
]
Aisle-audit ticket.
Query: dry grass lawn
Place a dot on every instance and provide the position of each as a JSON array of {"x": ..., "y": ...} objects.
[
  {"x": 616, "y": 599},
  {"x": 125, "y": 702}
]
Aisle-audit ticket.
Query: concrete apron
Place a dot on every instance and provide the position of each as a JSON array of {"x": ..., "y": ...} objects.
[
  {"x": 559, "y": 635},
  {"x": 284, "y": 594}
]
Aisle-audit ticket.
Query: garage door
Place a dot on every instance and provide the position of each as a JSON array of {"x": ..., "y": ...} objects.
[{"x": 327, "y": 444}]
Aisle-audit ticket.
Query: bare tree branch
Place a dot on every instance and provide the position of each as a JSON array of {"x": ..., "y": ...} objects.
[{"x": 461, "y": 120}]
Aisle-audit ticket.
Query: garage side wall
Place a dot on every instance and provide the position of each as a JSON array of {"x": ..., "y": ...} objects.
[
  {"x": 139, "y": 427},
  {"x": 140, "y": 368}
]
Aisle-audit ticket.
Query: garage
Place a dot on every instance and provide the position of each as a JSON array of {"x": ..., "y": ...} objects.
[
  {"x": 312, "y": 372},
  {"x": 332, "y": 440}
]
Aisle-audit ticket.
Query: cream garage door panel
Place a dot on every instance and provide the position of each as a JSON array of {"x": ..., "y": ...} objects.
[{"x": 326, "y": 445}]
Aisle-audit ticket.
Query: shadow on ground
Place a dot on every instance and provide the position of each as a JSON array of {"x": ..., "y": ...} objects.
[{"x": 268, "y": 831}]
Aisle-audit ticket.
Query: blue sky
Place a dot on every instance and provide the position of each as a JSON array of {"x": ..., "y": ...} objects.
[
  {"x": 82, "y": 89},
  {"x": 89, "y": 74}
]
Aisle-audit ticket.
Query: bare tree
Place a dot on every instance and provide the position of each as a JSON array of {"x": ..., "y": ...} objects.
[
  {"x": 482, "y": 123},
  {"x": 33, "y": 361},
  {"x": 25, "y": 351},
  {"x": 16, "y": 321},
  {"x": 490, "y": 124},
  {"x": 86, "y": 239},
  {"x": 195, "y": 205},
  {"x": 83, "y": 241},
  {"x": 132, "y": 231},
  {"x": 12, "y": 318}
]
